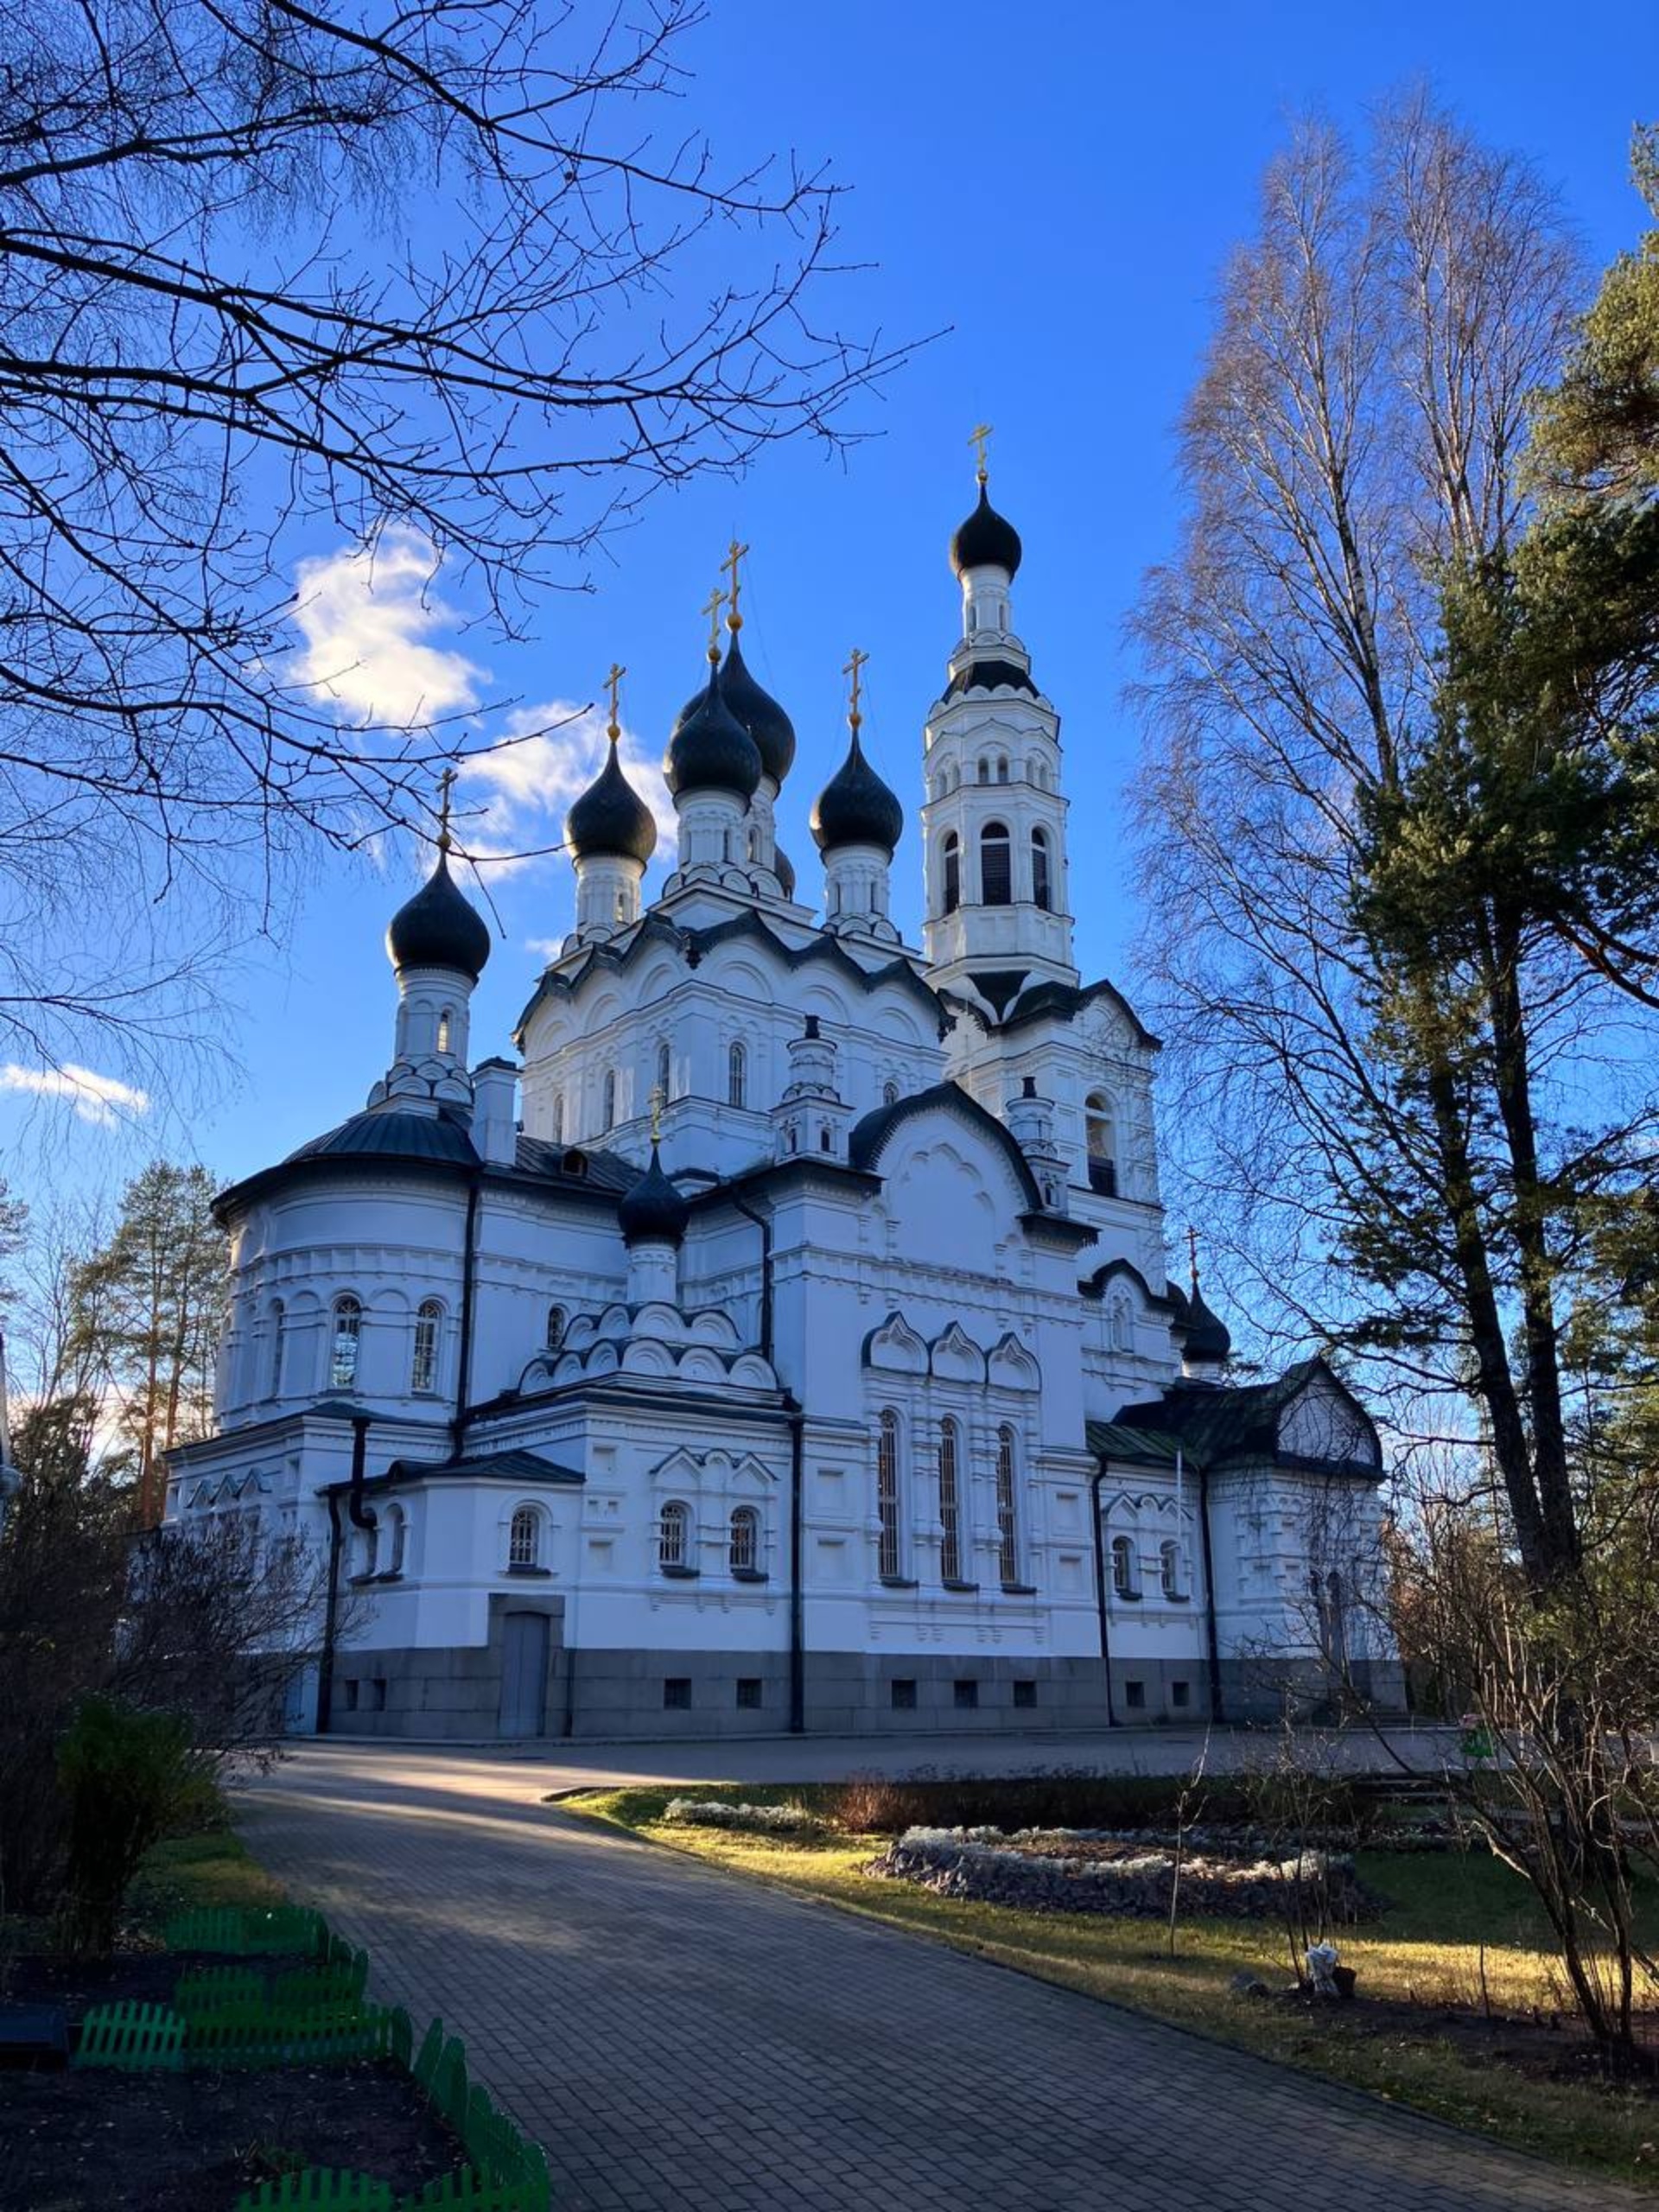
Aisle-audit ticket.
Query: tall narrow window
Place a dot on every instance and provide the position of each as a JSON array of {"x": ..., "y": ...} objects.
[
  {"x": 1007, "y": 1523},
  {"x": 1169, "y": 1569},
  {"x": 674, "y": 1536},
  {"x": 664, "y": 1073},
  {"x": 396, "y": 1538},
  {"x": 886, "y": 1492},
  {"x": 995, "y": 866},
  {"x": 608, "y": 1101},
  {"x": 524, "y": 1538},
  {"x": 950, "y": 1505},
  {"x": 952, "y": 873},
  {"x": 558, "y": 1117},
  {"x": 737, "y": 1077},
  {"x": 555, "y": 1328},
  {"x": 1101, "y": 1125},
  {"x": 443, "y": 1031},
  {"x": 985, "y": 770},
  {"x": 744, "y": 1550},
  {"x": 279, "y": 1319},
  {"x": 348, "y": 1331},
  {"x": 1002, "y": 768},
  {"x": 1040, "y": 889},
  {"x": 424, "y": 1367},
  {"x": 889, "y": 1093},
  {"x": 1123, "y": 1566}
]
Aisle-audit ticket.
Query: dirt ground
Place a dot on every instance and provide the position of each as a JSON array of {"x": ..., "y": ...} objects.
[{"x": 102, "y": 2141}]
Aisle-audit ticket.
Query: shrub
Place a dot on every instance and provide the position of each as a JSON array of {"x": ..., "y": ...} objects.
[
  {"x": 125, "y": 1773},
  {"x": 1063, "y": 1797}
]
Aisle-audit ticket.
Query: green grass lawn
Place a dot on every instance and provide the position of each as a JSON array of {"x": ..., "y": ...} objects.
[
  {"x": 1449, "y": 1917},
  {"x": 184, "y": 1872}
]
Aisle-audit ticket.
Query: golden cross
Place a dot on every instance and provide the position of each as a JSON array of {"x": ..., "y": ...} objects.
[
  {"x": 614, "y": 683},
  {"x": 976, "y": 438},
  {"x": 716, "y": 600},
  {"x": 854, "y": 669},
  {"x": 1192, "y": 1254},
  {"x": 735, "y": 553},
  {"x": 656, "y": 1112},
  {"x": 445, "y": 782}
]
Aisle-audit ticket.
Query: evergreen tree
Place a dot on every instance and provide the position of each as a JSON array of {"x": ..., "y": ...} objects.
[{"x": 152, "y": 1304}]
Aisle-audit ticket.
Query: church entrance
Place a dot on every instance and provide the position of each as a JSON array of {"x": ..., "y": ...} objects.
[{"x": 524, "y": 1674}]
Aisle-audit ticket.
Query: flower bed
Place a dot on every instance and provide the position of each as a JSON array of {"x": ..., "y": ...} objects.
[
  {"x": 711, "y": 1813},
  {"x": 1070, "y": 1869}
]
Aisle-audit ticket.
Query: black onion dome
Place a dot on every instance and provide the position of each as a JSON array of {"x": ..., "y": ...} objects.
[
  {"x": 611, "y": 818},
  {"x": 438, "y": 928},
  {"x": 710, "y": 750},
  {"x": 760, "y": 713},
  {"x": 1208, "y": 1339},
  {"x": 652, "y": 1212},
  {"x": 857, "y": 808},
  {"x": 985, "y": 540},
  {"x": 783, "y": 868}
]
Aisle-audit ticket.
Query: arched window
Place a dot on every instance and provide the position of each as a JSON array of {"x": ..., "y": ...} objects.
[
  {"x": 349, "y": 1332},
  {"x": 889, "y": 1093},
  {"x": 950, "y": 1505},
  {"x": 737, "y": 1077},
  {"x": 1122, "y": 1324},
  {"x": 744, "y": 1551},
  {"x": 423, "y": 1373},
  {"x": 524, "y": 1537},
  {"x": 1008, "y": 1521},
  {"x": 443, "y": 1031},
  {"x": 995, "y": 866},
  {"x": 608, "y": 1101},
  {"x": 279, "y": 1319},
  {"x": 1040, "y": 886},
  {"x": 1169, "y": 1569},
  {"x": 555, "y": 1328},
  {"x": 397, "y": 1527},
  {"x": 674, "y": 1536},
  {"x": 664, "y": 1073},
  {"x": 1123, "y": 1575},
  {"x": 1101, "y": 1125},
  {"x": 1001, "y": 767},
  {"x": 984, "y": 770},
  {"x": 558, "y": 1117},
  {"x": 1037, "y": 772},
  {"x": 952, "y": 873},
  {"x": 886, "y": 1492},
  {"x": 368, "y": 1550}
]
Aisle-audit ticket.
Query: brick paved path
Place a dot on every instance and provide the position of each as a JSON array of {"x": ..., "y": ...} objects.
[{"x": 679, "y": 2037}]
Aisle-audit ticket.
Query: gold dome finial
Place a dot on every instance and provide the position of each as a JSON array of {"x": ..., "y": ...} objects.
[
  {"x": 855, "y": 669},
  {"x": 735, "y": 553},
  {"x": 613, "y": 684},
  {"x": 716, "y": 600},
  {"x": 978, "y": 437}
]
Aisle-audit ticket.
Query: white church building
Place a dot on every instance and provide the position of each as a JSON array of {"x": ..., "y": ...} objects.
[{"x": 785, "y": 1338}]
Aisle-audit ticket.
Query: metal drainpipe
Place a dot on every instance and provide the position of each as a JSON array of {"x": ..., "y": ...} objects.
[
  {"x": 1098, "y": 1477},
  {"x": 796, "y": 1452},
  {"x": 362, "y": 1516},
  {"x": 468, "y": 1292},
  {"x": 1212, "y": 1638}
]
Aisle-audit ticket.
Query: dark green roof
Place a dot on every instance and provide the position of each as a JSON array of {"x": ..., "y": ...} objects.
[
  {"x": 511, "y": 1466},
  {"x": 1215, "y": 1424}
]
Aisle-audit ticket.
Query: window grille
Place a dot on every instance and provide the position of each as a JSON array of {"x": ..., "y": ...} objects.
[
  {"x": 348, "y": 1329},
  {"x": 674, "y": 1536},
  {"x": 995, "y": 866},
  {"x": 886, "y": 1492},
  {"x": 423, "y": 1375},
  {"x": 524, "y": 1538},
  {"x": 737, "y": 1077},
  {"x": 1008, "y": 1527},
  {"x": 746, "y": 1540},
  {"x": 950, "y": 1505}
]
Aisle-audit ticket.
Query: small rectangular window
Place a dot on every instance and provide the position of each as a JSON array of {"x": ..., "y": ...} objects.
[
  {"x": 1025, "y": 1694},
  {"x": 1135, "y": 1696},
  {"x": 676, "y": 1693},
  {"x": 904, "y": 1696},
  {"x": 377, "y": 1695},
  {"x": 967, "y": 1696},
  {"x": 1180, "y": 1693},
  {"x": 748, "y": 1691},
  {"x": 350, "y": 1691}
]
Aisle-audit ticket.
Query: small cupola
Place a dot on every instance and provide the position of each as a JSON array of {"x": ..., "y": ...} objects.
[
  {"x": 653, "y": 1212},
  {"x": 610, "y": 820},
  {"x": 768, "y": 725},
  {"x": 438, "y": 927},
  {"x": 710, "y": 750},
  {"x": 987, "y": 539}
]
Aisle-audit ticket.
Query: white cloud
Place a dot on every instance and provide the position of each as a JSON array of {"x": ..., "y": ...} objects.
[
  {"x": 515, "y": 800},
  {"x": 101, "y": 1099},
  {"x": 367, "y": 618}
]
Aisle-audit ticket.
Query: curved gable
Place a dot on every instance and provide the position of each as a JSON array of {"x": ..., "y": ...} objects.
[{"x": 871, "y": 1137}]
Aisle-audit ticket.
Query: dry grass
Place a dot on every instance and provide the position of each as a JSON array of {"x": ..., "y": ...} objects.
[{"x": 1451, "y": 1919}]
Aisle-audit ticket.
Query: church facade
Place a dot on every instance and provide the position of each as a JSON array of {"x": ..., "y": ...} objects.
[{"x": 784, "y": 1338}]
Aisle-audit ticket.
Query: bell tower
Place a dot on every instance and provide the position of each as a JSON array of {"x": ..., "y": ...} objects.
[{"x": 998, "y": 913}]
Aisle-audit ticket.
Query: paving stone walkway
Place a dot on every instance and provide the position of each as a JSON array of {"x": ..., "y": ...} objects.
[{"x": 678, "y": 2037}]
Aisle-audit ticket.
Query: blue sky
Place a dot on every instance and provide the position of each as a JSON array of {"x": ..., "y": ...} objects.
[{"x": 1055, "y": 187}]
